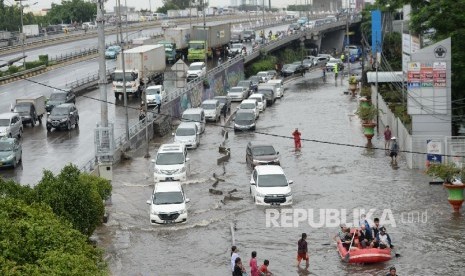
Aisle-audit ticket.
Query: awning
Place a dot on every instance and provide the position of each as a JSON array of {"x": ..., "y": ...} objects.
[{"x": 384, "y": 77}]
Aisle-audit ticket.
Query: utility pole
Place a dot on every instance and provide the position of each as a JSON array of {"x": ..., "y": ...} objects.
[
  {"x": 347, "y": 39},
  {"x": 127, "y": 10},
  {"x": 23, "y": 36},
  {"x": 263, "y": 6},
  {"x": 206, "y": 32},
  {"x": 147, "y": 154},
  {"x": 102, "y": 69},
  {"x": 123, "y": 66}
]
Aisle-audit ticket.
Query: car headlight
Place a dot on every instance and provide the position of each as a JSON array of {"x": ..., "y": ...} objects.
[
  {"x": 255, "y": 161},
  {"x": 153, "y": 212},
  {"x": 157, "y": 170},
  {"x": 183, "y": 211},
  {"x": 64, "y": 120},
  {"x": 10, "y": 157},
  {"x": 258, "y": 194},
  {"x": 181, "y": 170},
  {"x": 288, "y": 194},
  {"x": 276, "y": 160}
]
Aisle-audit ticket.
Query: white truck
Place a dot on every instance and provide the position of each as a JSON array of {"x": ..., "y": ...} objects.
[
  {"x": 31, "y": 30},
  {"x": 180, "y": 38},
  {"x": 30, "y": 109},
  {"x": 147, "y": 61}
]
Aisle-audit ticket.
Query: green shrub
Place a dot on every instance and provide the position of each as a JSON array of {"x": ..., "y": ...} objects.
[
  {"x": 13, "y": 69},
  {"x": 44, "y": 59},
  {"x": 34, "y": 64}
]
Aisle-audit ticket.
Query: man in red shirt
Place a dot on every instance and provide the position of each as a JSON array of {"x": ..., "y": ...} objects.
[
  {"x": 264, "y": 269},
  {"x": 296, "y": 135},
  {"x": 302, "y": 250},
  {"x": 387, "y": 137}
]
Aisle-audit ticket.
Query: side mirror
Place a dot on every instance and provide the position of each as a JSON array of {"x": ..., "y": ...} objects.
[
  {"x": 252, "y": 182},
  {"x": 48, "y": 113},
  {"x": 187, "y": 159},
  {"x": 290, "y": 182},
  {"x": 149, "y": 202},
  {"x": 172, "y": 133},
  {"x": 277, "y": 152},
  {"x": 188, "y": 200},
  {"x": 153, "y": 160}
]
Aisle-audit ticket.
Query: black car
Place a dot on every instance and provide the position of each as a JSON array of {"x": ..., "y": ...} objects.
[
  {"x": 258, "y": 153},
  {"x": 247, "y": 84},
  {"x": 59, "y": 97},
  {"x": 293, "y": 69},
  {"x": 255, "y": 81},
  {"x": 225, "y": 103},
  {"x": 248, "y": 35},
  {"x": 63, "y": 116}
]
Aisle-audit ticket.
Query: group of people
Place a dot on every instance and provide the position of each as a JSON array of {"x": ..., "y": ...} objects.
[
  {"x": 238, "y": 269},
  {"x": 390, "y": 145},
  {"x": 367, "y": 236}
]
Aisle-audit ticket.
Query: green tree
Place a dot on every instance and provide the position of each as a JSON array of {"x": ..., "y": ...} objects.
[
  {"x": 75, "y": 197},
  {"x": 33, "y": 241},
  {"x": 72, "y": 11},
  {"x": 392, "y": 49},
  {"x": 179, "y": 5}
]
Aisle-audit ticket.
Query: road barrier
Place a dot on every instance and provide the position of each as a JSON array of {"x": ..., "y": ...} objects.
[
  {"x": 81, "y": 85},
  {"x": 23, "y": 74}
]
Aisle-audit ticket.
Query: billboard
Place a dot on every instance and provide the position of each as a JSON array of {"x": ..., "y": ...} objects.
[
  {"x": 376, "y": 42},
  {"x": 410, "y": 45}
]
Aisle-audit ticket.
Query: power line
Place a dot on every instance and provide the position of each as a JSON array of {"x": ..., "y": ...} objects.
[{"x": 255, "y": 131}]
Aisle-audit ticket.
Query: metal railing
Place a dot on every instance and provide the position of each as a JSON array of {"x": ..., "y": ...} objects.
[{"x": 86, "y": 80}]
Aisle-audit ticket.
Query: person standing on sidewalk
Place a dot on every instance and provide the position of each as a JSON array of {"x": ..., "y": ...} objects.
[
  {"x": 336, "y": 72},
  {"x": 296, "y": 135},
  {"x": 253, "y": 264},
  {"x": 158, "y": 101},
  {"x": 302, "y": 251},
  {"x": 394, "y": 151},
  {"x": 387, "y": 137}
]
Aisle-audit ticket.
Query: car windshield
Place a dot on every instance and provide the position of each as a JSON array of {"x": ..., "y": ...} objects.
[
  {"x": 6, "y": 146},
  {"x": 119, "y": 76},
  {"x": 191, "y": 117},
  {"x": 185, "y": 132},
  {"x": 258, "y": 99},
  {"x": 58, "y": 97},
  {"x": 292, "y": 67},
  {"x": 266, "y": 92},
  {"x": 208, "y": 106},
  {"x": 244, "y": 116},
  {"x": 195, "y": 67},
  {"x": 263, "y": 150},
  {"x": 196, "y": 46},
  {"x": 254, "y": 79},
  {"x": 236, "y": 89},
  {"x": 272, "y": 180},
  {"x": 4, "y": 122},
  {"x": 221, "y": 99},
  {"x": 170, "y": 158},
  {"x": 262, "y": 74},
  {"x": 152, "y": 91},
  {"x": 247, "y": 106},
  {"x": 168, "y": 198},
  {"x": 244, "y": 84},
  {"x": 22, "y": 108},
  {"x": 59, "y": 111}
]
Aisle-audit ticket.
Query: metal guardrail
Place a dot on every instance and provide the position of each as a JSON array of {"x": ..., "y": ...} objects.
[
  {"x": 74, "y": 85},
  {"x": 22, "y": 73}
]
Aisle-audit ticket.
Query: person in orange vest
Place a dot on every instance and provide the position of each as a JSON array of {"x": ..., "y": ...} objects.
[{"x": 296, "y": 135}]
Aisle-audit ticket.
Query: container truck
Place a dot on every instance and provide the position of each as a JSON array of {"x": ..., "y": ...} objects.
[
  {"x": 141, "y": 62},
  {"x": 30, "y": 109},
  {"x": 31, "y": 30},
  {"x": 180, "y": 37},
  {"x": 204, "y": 42}
]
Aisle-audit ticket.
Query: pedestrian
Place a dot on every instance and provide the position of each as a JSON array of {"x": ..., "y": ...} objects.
[
  {"x": 158, "y": 101},
  {"x": 141, "y": 114},
  {"x": 296, "y": 135},
  {"x": 302, "y": 250},
  {"x": 234, "y": 256},
  {"x": 253, "y": 264},
  {"x": 392, "y": 271},
  {"x": 239, "y": 269},
  {"x": 387, "y": 137},
  {"x": 263, "y": 270},
  {"x": 394, "y": 151},
  {"x": 224, "y": 110},
  {"x": 336, "y": 72}
]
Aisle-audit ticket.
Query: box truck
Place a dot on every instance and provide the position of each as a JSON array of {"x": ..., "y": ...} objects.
[
  {"x": 30, "y": 109},
  {"x": 205, "y": 41},
  {"x": 142, "y": 62}
]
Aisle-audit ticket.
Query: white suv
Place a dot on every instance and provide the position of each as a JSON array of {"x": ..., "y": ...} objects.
[
  {"x": 212, "y": 110},
  {"x": 196, "y": 70},
  {"x": 269, "y": 186},
  {"x": 11, "y": 125},
  {"x": 187, "y": 134},
  {"x": 171, "y": 163},
  {"x": 168, "y": 203}
]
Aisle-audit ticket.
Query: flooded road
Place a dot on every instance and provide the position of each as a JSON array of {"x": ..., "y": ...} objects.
[{"x": 325, "y": 176}]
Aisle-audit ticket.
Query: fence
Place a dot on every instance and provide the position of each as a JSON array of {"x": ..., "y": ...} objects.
[{"x": 87, "y": 82}]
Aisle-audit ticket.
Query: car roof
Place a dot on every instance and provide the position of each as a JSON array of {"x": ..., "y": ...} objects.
[
  {"x": 171, "y": 147},
  {"x": 253, "y": 144},
  {"x": 269, "y": 169},
  {"x": 221, "y": 97},
  {"x": 171, "y": 186},
  {"x": 238, "y": 87},
  {"x": 197, "y": 63},
  {"x": 195, "y": 110},
  {"x": 275, "y": 81},
  {"x": 154, "y": 86},
  {"x": 256, "y": 95},
  {"x": 245, "y": 111},
  {"x": 210, "y": 101},
  {"x": 7, "y": 139},
  {"x": 187, "y": 125},
  {"x": 249, "y": 101},
  {"x": 8, "y": 115}
]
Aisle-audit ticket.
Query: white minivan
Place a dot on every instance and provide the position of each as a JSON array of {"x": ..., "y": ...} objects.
[
  {"x": 11, "y": 125},
  {"x": 212, "y": 110},
  {"x": 187, "y": 134},
  {"x": 196, "y": 115},
  {"x": 168, "y": 203},
  {"x": 171, "y": 163},
  {"x": 261, "y": 101},
  {"x": 269, "y": 186},
  {"x": 251, "y": 104}
]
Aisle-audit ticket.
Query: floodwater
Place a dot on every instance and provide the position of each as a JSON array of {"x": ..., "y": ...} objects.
[{"x": 325, "y": 176}]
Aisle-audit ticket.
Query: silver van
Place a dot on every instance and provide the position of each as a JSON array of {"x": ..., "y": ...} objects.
[
  {"x": 11, "y": 125},
  {"x": 279, "y": 87},
  {"x": 196, "y": 115},
  {"x": 269, "y": 91}
]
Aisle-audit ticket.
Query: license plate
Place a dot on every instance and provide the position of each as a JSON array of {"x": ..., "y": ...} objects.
[
  {"x": 168, "y": 221},
  {"x": 274, "y": 203},
  {"x": 169, "y": 179}
]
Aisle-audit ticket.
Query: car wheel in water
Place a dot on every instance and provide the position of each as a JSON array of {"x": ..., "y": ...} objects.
[
  {"x": 49, "y": 129},
  {"x": 77, "y": 123},
  {"x": 20, "y": 133},
  {"x": 68, "y": 126},
  {"x": 33, "y": 122}
]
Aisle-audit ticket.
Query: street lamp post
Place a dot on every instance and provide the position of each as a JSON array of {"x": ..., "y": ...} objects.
[
  {"x": 206, "y": 32},
  {"x": 23, "y": 36}
]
